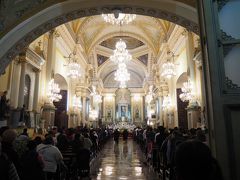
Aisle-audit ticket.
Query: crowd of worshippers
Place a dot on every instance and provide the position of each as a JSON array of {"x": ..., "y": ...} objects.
[
  {"x": 60, "y": 154},
  {"x": 178, "y": 154}
]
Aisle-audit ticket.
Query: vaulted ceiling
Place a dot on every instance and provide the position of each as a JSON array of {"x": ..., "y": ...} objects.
[{"x": 144, "y": 37}]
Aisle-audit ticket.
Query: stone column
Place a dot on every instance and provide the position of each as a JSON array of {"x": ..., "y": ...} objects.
[
  {"x": 160, "y": 100},
  {"x": 193, "y": 107},
  {"x": 36, "y": 89},
  {"x": 15, "y": 83},
  {"x": 51, "y": 55},
  {"x": 190, "y": 54},
  {"x": 48, "y": 113},
  {"x": 22, "y": 59},
  {"x": 84, "y": 110}
]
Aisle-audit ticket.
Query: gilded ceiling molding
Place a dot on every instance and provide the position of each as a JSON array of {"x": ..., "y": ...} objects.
[
  {"x": 110, "y": 35},
  {"x": 84, "y": 23},
  {"x": 26, "y": 39}
]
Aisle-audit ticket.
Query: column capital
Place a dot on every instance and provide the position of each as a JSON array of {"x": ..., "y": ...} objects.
[{"x": 54, "y": 32}]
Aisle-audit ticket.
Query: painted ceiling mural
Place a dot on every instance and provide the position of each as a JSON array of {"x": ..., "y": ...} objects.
[
  {"x": 143, "y": 59},
  {"x": 101, "y": 59}
]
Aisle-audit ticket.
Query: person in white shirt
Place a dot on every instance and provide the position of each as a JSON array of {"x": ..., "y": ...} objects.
[{"x": 51, "y": 157}]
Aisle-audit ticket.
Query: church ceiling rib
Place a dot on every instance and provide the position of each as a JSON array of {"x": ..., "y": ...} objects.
[
  {"x": 110, "y": 35},
  {"x": 151, "y": 29}
]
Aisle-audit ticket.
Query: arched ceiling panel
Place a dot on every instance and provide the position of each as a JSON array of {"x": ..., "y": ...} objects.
[
  {"x": 94, "y": 29},
  {"x": 135, "y": 81}
]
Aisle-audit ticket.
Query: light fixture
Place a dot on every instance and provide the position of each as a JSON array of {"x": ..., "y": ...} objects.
[
  {"x": 77, "y": 102},
  {"x": 187, "y": 93},
  {"x": 168, "y": 68},
  {"x": 166, "y": 102},
  {"x": 118, "y": 18},
  {"x": 122, "y": 74},
  {"x": 53, "y": 91},
  {"x": 122, "y": 84},
  {"x": 74, "y": 69},
  {"x": 93, "y": 114},
  {"x": 120, "y": 54}
]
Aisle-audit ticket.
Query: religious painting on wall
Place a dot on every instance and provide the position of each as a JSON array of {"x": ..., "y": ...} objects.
[{"x": 123, "y": 111}]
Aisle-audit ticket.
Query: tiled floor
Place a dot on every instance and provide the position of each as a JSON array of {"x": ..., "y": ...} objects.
[{"x": 121, "y": 161}]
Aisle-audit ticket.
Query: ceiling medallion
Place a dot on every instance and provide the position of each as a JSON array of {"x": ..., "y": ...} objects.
[
  {"x": 118, "y": 18},
  {"x": 187, "y": 93},
  {"x": 168, "y": 68},
  {"x": 53, "y": 91},
  {"x": 120, "y": 54}
]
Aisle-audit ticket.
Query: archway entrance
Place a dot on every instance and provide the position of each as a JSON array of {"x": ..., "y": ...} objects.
[
  {"x": 222, "y": 93},
  {"x": 61, "y": 117},
  {"x": 19, "y": 37}
]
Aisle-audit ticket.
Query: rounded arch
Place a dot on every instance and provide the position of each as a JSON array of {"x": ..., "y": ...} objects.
[
  {"x": 181, "y": 79},
  {"x": 45, "y": 18},
  {"x": 110, "y": 66},
  {"x": 110, "y": 35},
  {"x": 61, "y": 81}
]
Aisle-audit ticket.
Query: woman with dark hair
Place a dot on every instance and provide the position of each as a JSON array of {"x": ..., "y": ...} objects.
[{"x": 194, "y": 161}]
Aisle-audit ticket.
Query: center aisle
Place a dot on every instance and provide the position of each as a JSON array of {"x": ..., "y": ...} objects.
[{"x": 121, "y": 161}]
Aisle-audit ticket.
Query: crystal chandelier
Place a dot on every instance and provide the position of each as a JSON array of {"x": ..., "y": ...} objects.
[
  {"x": 73, "y": 70},
  {"x": 122, "y": 84},
  {"x": 168, "y": 68},
  {"x": 166, "y": 102},
  {"x": 187, "y": 93},
  {"x": 120, "y": 54},
  {"x": 93, "y": 114},
  {"x": 53, "y": 91},
  {"x": 118, "y": 18},
  {"x": 77, "y": 102},
  {"x": 122, "y": 73}
]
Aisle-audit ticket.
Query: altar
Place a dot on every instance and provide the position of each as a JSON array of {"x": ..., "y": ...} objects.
[
  {"x": 122, "y": 125},
  {"x": 123, "y": 105}
]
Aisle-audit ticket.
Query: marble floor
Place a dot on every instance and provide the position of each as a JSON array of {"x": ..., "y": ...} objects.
[{"x": 121, "y": 161}]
